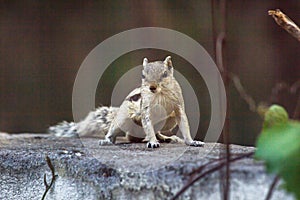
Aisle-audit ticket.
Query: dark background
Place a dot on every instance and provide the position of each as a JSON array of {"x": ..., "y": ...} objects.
[{"x": 43, "y": 43}]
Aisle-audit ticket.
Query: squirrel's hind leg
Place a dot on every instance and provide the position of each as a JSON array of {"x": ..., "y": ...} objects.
[
  {"x": 169, "y": 139},
  {"x": 110, "y": 137}
]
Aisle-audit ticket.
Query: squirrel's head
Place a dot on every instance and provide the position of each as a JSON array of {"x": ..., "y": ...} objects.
[{"x": 157, "y": 75}]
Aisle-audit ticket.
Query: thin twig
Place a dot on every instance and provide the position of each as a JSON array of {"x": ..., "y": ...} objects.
[
  {"x": 242, "y": 92},
  {"x": 213, "y": 169},
  {"x": 202, "y": 167},
  {"x": 296, "y": 114},
  {"x": 219, "y": 40},
  {"x": 190, "y": 183},
  {"x": 48, "y": 186},
  {"x": 294, "y": 89},
  {"x": 286, "y": 23},
  {"x": 214, "y": 31},
  {"x": 272, "y": 187},
  {"x": 219, "y": 51},
  {"x": 277, "y": 89},
  {"x": 220, "y": 54}
]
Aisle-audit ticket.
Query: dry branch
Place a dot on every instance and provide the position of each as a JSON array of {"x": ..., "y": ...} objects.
[
  {"x": 272, "y": 187},
  {"x": 217, "y": 165},
  {"x": 242, "y": 92},
  {"x": 285, "y": 22},
  {"x": 48, "y": 186}
]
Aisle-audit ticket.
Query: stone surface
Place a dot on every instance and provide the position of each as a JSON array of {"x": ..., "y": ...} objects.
[{"x": 122, "y": 171}]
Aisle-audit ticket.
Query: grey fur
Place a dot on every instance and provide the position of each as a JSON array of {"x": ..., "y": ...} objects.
[
  {"x": 160, "y": 102},
  {"x": 149, "y": 113},
  {"x": 95, "y": 124}
]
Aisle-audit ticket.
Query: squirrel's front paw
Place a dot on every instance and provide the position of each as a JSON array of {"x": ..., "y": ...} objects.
[
  {"x": 195, "y": 143},
  {"x": 154, "y": 144},
  {"x": 105, "y": 142}
]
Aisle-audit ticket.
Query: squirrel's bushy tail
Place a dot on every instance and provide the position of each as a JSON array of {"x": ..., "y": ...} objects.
[{"x": 96, "y": 124}]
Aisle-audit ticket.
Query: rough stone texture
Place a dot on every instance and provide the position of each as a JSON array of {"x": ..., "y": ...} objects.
[{"x": 122, "y": 171}]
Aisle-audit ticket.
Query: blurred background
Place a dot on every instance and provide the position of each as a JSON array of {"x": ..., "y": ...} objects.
[{"x": 43, "y": 43}]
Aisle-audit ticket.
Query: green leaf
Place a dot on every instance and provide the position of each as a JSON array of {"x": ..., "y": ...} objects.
[
  {"x": 276, "y": 114},
  {"x": 279, "y": 146}
]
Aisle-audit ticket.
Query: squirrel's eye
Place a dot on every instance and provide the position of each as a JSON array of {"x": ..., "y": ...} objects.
[
  {"x": 165, "y": 74},
  {"x": 143, "y": 76}
]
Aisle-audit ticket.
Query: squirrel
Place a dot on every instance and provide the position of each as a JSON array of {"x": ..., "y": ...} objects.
[{"x": 151, "y": 113}]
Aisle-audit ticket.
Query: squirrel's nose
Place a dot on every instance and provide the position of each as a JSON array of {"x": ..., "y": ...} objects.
[{"x": 153, "y": 88}]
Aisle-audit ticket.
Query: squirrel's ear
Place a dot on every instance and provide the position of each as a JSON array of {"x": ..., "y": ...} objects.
[
  {"x": 168, "y": 62},
  {"x": 145, "y": 62}
]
